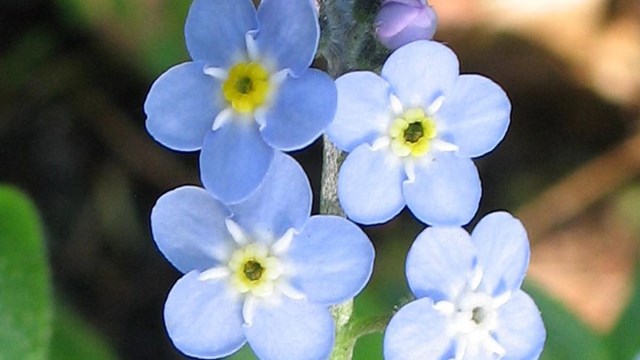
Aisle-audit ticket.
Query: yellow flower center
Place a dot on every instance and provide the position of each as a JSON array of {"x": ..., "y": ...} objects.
[
  {"x": 246, "y": 87},
  {"x": 411, "y": 133},
  {"x": 254, "y": 270}
]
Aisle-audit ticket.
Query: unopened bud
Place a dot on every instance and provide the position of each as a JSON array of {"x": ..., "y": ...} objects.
[{"x": 402, "y": 21}]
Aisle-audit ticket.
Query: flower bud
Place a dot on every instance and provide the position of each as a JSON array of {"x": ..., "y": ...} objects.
[{"x": 402, "y": 21}]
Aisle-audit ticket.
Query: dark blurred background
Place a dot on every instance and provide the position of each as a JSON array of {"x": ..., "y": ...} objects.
[{"x": 73, "y": 79}]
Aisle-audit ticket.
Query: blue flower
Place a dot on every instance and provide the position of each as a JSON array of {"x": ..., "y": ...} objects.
[
  {"x": 400, "y": 22},
  {"x": 469, "y": 303},
  {"x": 247, "y": 93},
  {"x": 261, "y": 271},
  {"x": 412, "y": 134}
]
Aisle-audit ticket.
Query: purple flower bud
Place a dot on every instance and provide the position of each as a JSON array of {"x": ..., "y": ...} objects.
[{"x": 402, "y": 21}]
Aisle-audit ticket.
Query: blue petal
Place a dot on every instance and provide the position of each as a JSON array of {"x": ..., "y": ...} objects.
[
  {"x": 520, "y": 329},
  {"x": 188, "y": 226},
  {"x": 370, "y": 185},
  {"x": 302, "y": 109},
  {"x": 503, "y": 251},
  {"x": 475, "y": 115},
  {"x": 282, "y": 202},
  {"x": 417, "y": 332},
  {"x": 420, "y": 72},
  {"x": 181, "y": 106},
  {"x": 215, "y": 30},
  {"x": 234, "y": 160},
  {"x": 291, "y": 330},
  {"x": 289, "y": 33},
  {"x": 440, "y": 263},
  {"x": 204, "y": 318},
  {"x": 446, "y": 191},
  {"x": 332, "y": 258},
  {"x": 361, "y": 116}
]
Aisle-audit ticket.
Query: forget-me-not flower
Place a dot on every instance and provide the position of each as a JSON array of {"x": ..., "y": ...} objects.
[
  {"x": 260, "y": 271},
  {"x": 247, "y": 93},
  {"x": 411, "y": 134},
  {"x": 469, "y": 304},
  {"x": 400, "y": 22}
]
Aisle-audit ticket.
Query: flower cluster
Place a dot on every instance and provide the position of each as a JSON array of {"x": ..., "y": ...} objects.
[{"x": 257, "y": 267}]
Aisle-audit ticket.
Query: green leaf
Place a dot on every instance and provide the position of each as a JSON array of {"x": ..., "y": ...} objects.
[
  {"x": 25, "y": 293},
  {"x": 149, "y": 34},
  {"x": 567, "y": 337},
  {"x": 74, "y": 339},
  {"x": 624, "y": 340},
  {"x": 370, "y": 303}
]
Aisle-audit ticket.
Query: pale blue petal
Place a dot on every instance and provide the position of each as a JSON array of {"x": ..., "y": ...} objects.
[
  {"x": 446, "y": 191},
  {"x": 418, "y": 332},
  {"x": 503, "y": 251},
  {"x": 234, "y": 160},
  {"x": 281, "y": 202},
  {"x": 440, "y": 263},
  {"x": 520, "y": 328},
  {"x": 204, "y": 318},
  {"x": 474, "y": 115},
  {"x": 302, "y": 109},
  {"x": 188, "y": 227},
  {"x": 370, "y": 185},
  {"x": 484, "y": 355},
  {"x": 362, "y": 116},
  {"x": 181, "y": 106},
  {"x": 332, "y": 260},
  {"x": 291, "y": 330},
  {"x": 420, "y": 72},
  {"x": 288, "y": 33},
  {"x": 215, "y": 30}
]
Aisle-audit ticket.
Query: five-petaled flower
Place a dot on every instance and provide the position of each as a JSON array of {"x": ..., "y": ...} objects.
[
  {"x": 412, "y": 134},
  {"x": 400, "y": 22},
  {"x": 261, "y": 271},
  {"x": 247, "y": 93},
  {"x": 469, "y": 303}
]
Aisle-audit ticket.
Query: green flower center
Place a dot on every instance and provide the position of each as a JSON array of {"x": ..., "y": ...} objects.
[
  {"x": 414, "y": 132},
  {"x": 253, "y": 270},
  {"x": 411, "y": 133},
  {"x": 478, "y": 314},
  {"x": 246, "y": 87}
]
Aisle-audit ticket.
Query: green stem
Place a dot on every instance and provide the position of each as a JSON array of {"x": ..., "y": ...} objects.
[
  {"x": 338, "y": 27},
  {"x": 346, "y": 339},
  {"x": 331, "y": 159}
]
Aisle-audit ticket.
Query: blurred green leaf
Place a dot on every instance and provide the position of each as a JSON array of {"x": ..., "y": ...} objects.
[
  {"x": 368, "y": 304},
  {"x": 624, "y": 340},
  {"x": 30, "y": 52},
  {"x": 567, "y": 337},
  {"x": 25, "y": 293},
  {"x": 72, "y": 338},
  {"x": 149, "y": 34},
  {"x": 627, "y": 204}
]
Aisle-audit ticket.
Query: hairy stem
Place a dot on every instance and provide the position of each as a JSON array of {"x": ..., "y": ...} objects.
[{"x": 332, "y": 158}]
